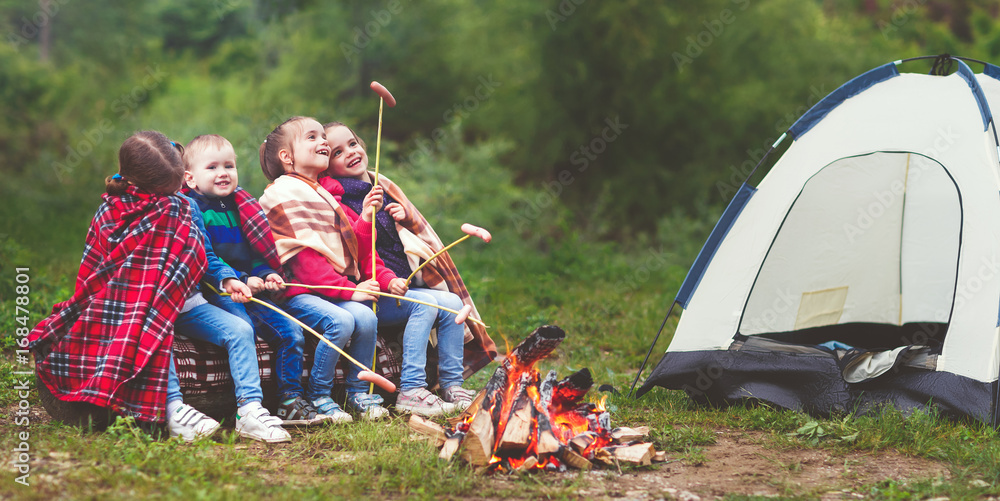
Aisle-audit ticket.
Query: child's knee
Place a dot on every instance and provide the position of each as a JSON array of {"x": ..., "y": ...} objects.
[{"x": 366, "y": 323}]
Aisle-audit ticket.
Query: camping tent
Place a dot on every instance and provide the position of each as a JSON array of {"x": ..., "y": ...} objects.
[{"x": 865, "y": 268}]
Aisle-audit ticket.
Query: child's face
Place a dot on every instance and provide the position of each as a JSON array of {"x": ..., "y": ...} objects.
[
  {"x": 213, "y": 172},
  {"x": 310, "y": 153},
  {"x": 347, "y": 157}
]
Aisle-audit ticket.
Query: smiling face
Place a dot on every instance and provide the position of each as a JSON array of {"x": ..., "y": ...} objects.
[
  {"x": 348, "y": 157},
  {"x": 212, "y": 172},
  {"x": 309, "y": 152}
]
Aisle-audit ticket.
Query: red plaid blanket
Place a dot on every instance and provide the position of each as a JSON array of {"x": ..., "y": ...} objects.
[{"x": 109, "y": 344}]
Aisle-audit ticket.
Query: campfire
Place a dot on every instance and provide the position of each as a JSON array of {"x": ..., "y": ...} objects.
[{"x": 522, "y": 422}]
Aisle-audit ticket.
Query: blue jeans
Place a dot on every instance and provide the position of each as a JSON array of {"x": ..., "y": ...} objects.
[
  {"x": 338, "y": 321},
  {"x": 173, "y": 382},
  {"x": 214, "y": 325},
  {"x": 419, "y": 320},
  {"x": 277, "y": 330}
]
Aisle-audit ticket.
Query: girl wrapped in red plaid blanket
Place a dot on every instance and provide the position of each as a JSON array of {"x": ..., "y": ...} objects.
[{"x": 110, "y": 344}]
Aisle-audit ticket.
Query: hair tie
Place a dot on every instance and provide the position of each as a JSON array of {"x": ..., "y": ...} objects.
[
  {"x": 117, "y": 176},
  {"x": 174, "y": 144}
]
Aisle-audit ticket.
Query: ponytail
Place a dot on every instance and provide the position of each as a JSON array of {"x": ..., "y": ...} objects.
[{"x": 277, "y": 140}]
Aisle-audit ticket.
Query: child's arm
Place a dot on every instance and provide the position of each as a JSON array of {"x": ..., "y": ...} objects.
[
  {"x": 311, "y": 268},
  {"x": 362, "y": 227},
  {"x": 219, "y": 274}
]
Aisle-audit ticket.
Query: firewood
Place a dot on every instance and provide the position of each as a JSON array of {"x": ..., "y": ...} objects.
[
  {"x": 575, "y": 460},
  {"x": 533, "y": 348},
  {"x": 545, "y": 390},
  {"x": 478, "y": 444},
  {"x": 581, "y": 442},
  {"x": 660, "y": 456},
  {"x": 517, "y": 432},
  {"x": 428, "y": 429},
  {"x": 547, "y": 442},
  {"x": 571, "y": 390},
  {"x": 450, "y": 447},
  {"x": 636, "y": 454},
  {"x": 470, "y": 410},
  {"x": 528, "y": 464},
  {"x": 625, "y": 434}
]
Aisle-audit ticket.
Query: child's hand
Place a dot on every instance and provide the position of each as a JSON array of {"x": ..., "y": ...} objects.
[
  {"x": 255, "y": 284},
  {"x": 237, "y": 290},
  {"x": 396, "y": 211},
  {"x": 398, "y": 286},
  {"x": 373, "y": 200},
  {"x": 367, "y": 285},
  {"x": 274, "y": 282}
]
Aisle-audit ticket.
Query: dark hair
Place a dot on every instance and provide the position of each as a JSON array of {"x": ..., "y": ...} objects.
[
  {"x": 342, "y": 124},
  {"x": 150, "y": 161},
  {"x": 275, "y": 141}
]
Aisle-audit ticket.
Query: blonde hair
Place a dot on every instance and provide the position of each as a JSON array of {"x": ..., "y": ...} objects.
[
  {"x": 150, "y": 161},
  {"x": 278, "y": 139},
  {"x": 201, "y": 144}
]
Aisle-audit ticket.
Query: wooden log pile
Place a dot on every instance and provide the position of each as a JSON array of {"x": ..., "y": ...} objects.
[{"x": 521, "y": 422}]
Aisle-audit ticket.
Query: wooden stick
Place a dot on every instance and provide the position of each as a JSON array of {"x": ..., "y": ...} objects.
[
  {"x": 436, "y": 254},
  {"x": 386, "y": 294},
  {"x": 383, "y": 383}
]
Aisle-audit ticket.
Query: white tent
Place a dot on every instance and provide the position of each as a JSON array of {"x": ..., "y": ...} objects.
[{"x": 865, "y": 268}]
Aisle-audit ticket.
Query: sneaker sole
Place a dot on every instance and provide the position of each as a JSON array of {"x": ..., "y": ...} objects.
[
  {"x": 207, "y": 434},
  {"x": 306, "y": 422},
  {"x": 422, "y": 412},
  {"x": 262, "y": 439}
]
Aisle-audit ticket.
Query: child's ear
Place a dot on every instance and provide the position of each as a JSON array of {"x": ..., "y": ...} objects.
[
  {"x": 189, "y": 180},
  {"x": 285, "y": 157}
]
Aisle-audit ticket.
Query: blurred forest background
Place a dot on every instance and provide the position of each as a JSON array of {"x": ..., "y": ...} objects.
[{"x": 588, "y": 136}]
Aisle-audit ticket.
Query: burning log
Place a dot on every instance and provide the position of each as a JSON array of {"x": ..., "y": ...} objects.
[
  {"x": 546, "y": 443},
  {"x": 517, "y": 432},
  {"x": 477, "y": 448},
  {"x": 535, "y": 347},
  {"x": 568, "y": 392},
  {"x": 521, "y": 423}
]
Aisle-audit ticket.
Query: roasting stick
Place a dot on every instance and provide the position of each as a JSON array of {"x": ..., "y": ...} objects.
[
  {"x": 470, "y": 230},
  {"x": 366, "y": 374},
  {"x": 460, "y": 315},
  {"x": 384, "y": 96}
]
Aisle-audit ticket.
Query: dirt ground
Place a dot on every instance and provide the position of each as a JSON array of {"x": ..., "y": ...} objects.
[{"x": 738, "y": 463}]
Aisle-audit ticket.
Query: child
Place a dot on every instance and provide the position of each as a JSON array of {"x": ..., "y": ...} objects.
[
  {"x": 352, "y": 183},
  {"x": 203, "y": 321},
  {"x": 317, "y": 246},
  {"x": 241, "y": 238},
  {"x": 110, "y": 344}
]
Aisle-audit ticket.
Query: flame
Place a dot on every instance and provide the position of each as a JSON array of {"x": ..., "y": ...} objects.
[{"x": 600, "y": 404}]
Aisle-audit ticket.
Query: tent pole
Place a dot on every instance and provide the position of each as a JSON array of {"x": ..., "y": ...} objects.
[{"x": 657, "y": 338}]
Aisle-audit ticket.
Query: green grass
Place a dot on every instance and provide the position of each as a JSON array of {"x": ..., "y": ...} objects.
[{"x": 610, "y": 299}]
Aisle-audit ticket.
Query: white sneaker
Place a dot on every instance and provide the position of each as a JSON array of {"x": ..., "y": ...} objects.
[
  {"x": 254, "y": 422},
  {"x": 420, "y": 401},
  {"x": 190, "y": 424},
  {"x": 458, "y": 396}
]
